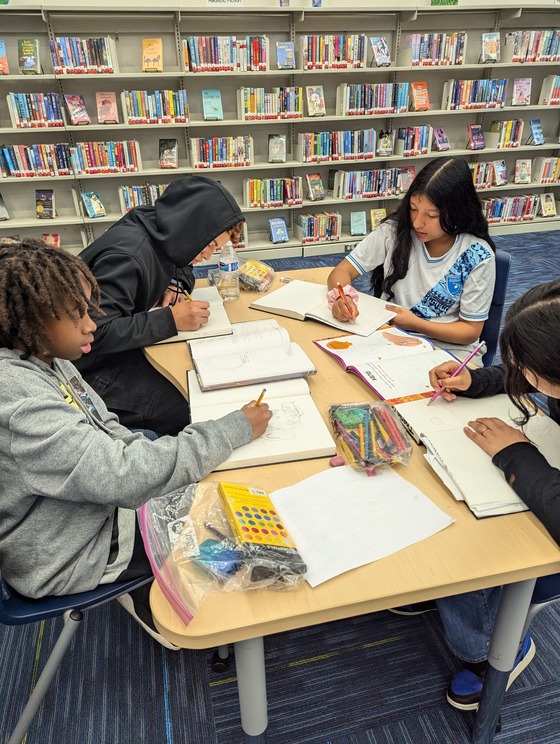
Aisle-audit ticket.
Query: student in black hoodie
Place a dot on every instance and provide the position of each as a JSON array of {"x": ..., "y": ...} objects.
[{"x": 144, "y": 260}]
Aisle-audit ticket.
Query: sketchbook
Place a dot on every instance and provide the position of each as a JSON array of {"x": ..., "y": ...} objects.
[
  {"x": 218, "y": 323},
  {"x": 394, "y": 364},
  {"x": 296, "y": 430},
  {"x": 256, "y": 351},
  {"x": 462, "y": 465},
  {"x": 300, "y": 300}
]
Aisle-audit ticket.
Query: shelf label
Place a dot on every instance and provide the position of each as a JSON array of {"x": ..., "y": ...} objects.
[{"x": 228, "y": 3}]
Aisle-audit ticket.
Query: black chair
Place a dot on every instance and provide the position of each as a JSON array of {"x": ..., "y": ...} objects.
[
  {"x": 18, "y": 610},
  {"x": 491, "y": 330}
]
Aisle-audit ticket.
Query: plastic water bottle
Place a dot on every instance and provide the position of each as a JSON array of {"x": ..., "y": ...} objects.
[{"x": 228, "y": 273}]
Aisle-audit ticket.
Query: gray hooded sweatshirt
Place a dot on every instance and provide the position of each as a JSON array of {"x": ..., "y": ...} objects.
[{"x": 69, "y": 470}]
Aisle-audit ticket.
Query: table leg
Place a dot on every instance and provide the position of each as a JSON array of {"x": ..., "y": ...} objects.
[
  {"x": 514, "y": 606},
  {"x": 251, "y": 683}
]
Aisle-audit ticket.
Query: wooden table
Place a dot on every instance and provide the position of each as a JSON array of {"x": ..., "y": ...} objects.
[{"x": 470, "y": 554}]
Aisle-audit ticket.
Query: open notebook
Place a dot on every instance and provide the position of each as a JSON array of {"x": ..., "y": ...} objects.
[
  {"x": 394, "y": 364},
  {"x": 462, "y": 465},
  {"x": 218, "y": 324},
  {"x": 300, "y": 300},
  {"x": 296, "y": 430},
  {"x": 256, "y": 351}
]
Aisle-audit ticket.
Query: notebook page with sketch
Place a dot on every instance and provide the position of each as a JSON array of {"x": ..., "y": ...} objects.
[
  {"x": 296, "y": 430},
  {"x": 218, "y": 323},
  {"x": 300, "y": 300},
  {"x": 480, "y": 483},
  {"x": 256, "y": 351}
]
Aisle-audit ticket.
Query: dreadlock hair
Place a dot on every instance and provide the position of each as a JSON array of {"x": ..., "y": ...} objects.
[
  {"x": 38, "y": 282},
  {"x": 529, "y": 343},
  {"x": 448, "y": 184}
]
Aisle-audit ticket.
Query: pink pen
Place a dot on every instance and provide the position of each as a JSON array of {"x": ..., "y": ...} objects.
[{"x": 456, "y": 372}]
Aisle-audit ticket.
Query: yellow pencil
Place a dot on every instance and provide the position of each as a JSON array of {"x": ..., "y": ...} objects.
[
  {"x": 187, "y": 295},
  {"x": 261, "y": 396}
]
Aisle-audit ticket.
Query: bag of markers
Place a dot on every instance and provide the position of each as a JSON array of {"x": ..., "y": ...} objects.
[
  {"x": 369, "y": 435},
  {"x": 217, "y": 537}
]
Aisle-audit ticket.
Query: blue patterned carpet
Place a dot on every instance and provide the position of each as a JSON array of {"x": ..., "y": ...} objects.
[{"x": 375, "y": 679}]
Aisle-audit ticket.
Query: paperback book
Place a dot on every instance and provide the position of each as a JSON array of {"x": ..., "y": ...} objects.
[
  {"x": 93, "y": 204},
  {"x": 523, "y": 168},
  {"x": 107, "y": 110},
  {"x": 521, "y": 91},
  {"x": 218, "y": 322},
  {"x": 212, "y": 105},
  {"x": 490, "y": 47},
  {"x": 547, "y": 205},
  {"x": 277, "y": 148},
  {"x": 28, "y": 57},
  {"x": 408, "y": 174},
  {"x": 168, "y": 153},
  {"x": 476, "y": 137},
  {"x": 380, "y": 51},
  {"x": 500, "y": 172},
  {"x": 393, "y": 363},
  {"x": 278, "y": 230},
  {"x": 285, "y": 55},
  {"x": 77, "y": 110},
  {"x": 44, "y": 204},
  {"x": 358, "y": 224},
  {"x": 536, "y": 136},
  {"x": 386, "y": 142},
  {"x": 441, "y": 142},
  {"x": 4, "y": 67},
  {"x": 315, "y": 188},
  {"x": 377, "y": 216},
  {"x": 420, "y": 99},
  {"x": 315, "y": 100},
  {"x": 152, "y": 55}
]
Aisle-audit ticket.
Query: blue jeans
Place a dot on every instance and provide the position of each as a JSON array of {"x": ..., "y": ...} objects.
[{"x": 468, "y": 621}]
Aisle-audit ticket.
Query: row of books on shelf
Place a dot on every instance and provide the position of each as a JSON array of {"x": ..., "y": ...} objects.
[
  {"x": 492, "y": 93},
  {"x": 273, "y": 192},
  {"x": 521, "y": 208},
  {"x": 221, "y": 152},
  {"x": 45, "y": 207},
  {"x": 34, "y": 110},
  {"x": 62, "y": 159},
  {"x": 224, "y": 53},
  {"x": 524, "y": 171}
]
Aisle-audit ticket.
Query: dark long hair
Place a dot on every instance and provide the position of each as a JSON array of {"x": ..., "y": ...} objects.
[
  {"x": 448, "y": 184},
  {"x": 530, "y": 341}
]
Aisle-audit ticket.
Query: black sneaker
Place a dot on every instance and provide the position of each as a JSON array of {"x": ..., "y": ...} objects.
[
  {"x": 418, "y": 608},
  {"x": 466, "y": 686},
  {"x": 137, "y": 603}
]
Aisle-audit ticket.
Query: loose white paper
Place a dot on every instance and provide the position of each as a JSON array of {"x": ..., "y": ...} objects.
[{"x": 341, "y": 519}]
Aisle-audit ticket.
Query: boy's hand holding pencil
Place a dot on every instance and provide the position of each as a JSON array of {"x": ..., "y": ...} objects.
[
  {"x": 258, "y": 414},
  {"x": 190, "y": 315}
]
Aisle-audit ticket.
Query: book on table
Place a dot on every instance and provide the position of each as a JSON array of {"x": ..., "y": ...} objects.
[
  {"x": 256, "y": 351},
  {"x": 465, "y": 469},
  {"x": 296, "y": 430},
  {"x": 218, "y": 323},
  {"x": 393, "y": 363},
  {"x": 300, "y": 300}
]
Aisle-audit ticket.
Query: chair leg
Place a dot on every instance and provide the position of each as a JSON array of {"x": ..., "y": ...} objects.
[{"x": 72, "y": 620}]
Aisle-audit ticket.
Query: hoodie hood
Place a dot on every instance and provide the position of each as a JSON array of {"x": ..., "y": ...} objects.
[{"x": 189, "y": 215}]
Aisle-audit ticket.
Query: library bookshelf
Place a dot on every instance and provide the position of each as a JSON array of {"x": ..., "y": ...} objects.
[{"x": 336, "y": 22}]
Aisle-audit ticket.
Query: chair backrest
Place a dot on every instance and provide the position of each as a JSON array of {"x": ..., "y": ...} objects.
[{"x": 491, "y": 329}]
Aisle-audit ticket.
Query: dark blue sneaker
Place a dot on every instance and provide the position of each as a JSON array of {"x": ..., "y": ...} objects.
[
  {"x": 418, "y": 608},
  {"x": 466, "y": 686}
]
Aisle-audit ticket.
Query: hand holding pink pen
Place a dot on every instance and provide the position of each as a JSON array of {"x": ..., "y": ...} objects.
[{"x": 455, "y": 372}]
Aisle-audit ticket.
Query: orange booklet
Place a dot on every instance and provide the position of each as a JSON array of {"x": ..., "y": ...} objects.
[{"x": 420, "y": 97}]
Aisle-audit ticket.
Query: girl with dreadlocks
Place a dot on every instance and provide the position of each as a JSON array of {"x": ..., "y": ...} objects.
[
  {"x": 432, "y": 259},
  {"x": 72, "y": 475}
]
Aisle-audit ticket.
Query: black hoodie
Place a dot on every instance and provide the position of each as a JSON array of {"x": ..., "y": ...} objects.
[{"x": 136, "y": 259}]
